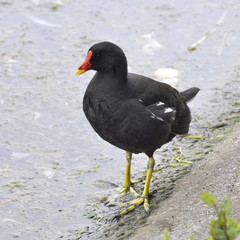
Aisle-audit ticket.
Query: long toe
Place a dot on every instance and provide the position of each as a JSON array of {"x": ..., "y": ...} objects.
[
  {"x": 135, "y": 203},
  {"x": 133, "y": 191},
  {"x": 146, "y": 205},
  {"x": 121, "y": 193}
]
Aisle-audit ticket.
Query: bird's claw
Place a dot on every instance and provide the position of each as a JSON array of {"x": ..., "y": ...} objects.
[
  {"x": 129, "y": 189},
  {"x": 134, "y": 203},
  {"x": 121, "y": 193}
]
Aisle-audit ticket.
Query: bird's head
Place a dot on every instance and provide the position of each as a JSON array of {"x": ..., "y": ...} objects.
[{"x": 103, "y": 56}]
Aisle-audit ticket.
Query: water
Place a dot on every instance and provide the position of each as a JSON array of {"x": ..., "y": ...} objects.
[{"x": 52, "y": 164}]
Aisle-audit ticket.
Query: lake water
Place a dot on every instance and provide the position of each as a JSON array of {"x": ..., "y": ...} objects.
[{"x": 52, "y": 164}]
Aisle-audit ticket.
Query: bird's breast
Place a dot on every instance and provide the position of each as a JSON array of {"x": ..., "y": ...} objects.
[{"x": 125, "y": 123}]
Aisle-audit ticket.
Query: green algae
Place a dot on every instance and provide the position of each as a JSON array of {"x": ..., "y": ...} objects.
[{"x": 16, "y": 184}]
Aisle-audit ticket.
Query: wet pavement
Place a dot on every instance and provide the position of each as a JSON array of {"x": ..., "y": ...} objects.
[{"x": 54, "y": 170}]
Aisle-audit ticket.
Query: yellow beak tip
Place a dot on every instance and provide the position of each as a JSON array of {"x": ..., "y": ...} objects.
[{"x": 79, "y": 72}]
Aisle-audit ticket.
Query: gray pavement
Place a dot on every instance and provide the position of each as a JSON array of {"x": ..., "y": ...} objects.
[{"x": 184, "y": 213}]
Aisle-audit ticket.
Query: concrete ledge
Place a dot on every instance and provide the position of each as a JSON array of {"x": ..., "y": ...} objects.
[{"x": 184, "y": 213}]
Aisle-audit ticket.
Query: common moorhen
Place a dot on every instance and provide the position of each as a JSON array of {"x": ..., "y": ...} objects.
[{"x": 132, "y": 112}]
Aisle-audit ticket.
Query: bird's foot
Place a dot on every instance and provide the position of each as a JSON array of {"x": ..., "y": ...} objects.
[
  {"x": 135, "y": 203},
  {"x": 129, "y": 189},
  {"x": 121, "y": 193}
]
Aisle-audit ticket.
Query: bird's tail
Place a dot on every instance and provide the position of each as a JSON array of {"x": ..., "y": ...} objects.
[
  {"x": 189, "y": 94},
  {"x": 181, "y": 126}
]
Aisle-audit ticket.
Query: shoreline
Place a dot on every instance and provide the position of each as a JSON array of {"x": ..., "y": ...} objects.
[{"x": 184, "y": 213}]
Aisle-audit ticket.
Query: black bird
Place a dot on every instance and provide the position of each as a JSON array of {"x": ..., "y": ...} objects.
[{"x": 132, "y": 112}]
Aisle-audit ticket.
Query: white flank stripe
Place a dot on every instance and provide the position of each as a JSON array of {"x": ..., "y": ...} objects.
[
  {"x": 167, "y": 110},
  {"x": 160, "y": 103}
]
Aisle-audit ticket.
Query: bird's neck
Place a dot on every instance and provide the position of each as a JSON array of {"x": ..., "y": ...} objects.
[
  {"x": 120, "y": 73},
  {"x": 117, "y": 74}
]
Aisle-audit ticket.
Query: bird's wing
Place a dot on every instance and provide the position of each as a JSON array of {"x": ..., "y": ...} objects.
[
  {"x": 162, "y": 112},
  {"x": 174, "y": 108},
  {"x": 151, "y": 91}
]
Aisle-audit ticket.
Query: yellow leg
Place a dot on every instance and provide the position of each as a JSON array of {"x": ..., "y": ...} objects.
[
  {"x": 144, "y": 198},
  {"x": 127, "y": 179},
  {"x": 150, "y": 168}
]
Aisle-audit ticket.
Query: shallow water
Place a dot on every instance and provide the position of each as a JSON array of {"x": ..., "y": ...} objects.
[{"x": 52, "y": 164}]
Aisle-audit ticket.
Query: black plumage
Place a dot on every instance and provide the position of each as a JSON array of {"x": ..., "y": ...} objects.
[{"x": 130, "y": 111}]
